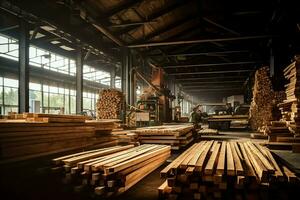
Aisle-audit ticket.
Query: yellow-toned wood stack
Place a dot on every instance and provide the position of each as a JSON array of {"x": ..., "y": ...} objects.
[
  {"x": 109, "y": 104},
  {"x": 32, "y": 135},
  {"x": 111, "y": 171},
  {"x": 178, "y": 136},
  {"x": 224, "y": 170}
]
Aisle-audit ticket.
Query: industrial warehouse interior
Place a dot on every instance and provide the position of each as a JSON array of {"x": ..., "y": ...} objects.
[{"x": 149, "y": 99}]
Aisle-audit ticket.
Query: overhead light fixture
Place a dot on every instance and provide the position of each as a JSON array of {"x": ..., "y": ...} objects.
[
  {"x": 55, "y": 42},
  {"x": 47, "y": 28},
  {"x": 66, "y": 48}
]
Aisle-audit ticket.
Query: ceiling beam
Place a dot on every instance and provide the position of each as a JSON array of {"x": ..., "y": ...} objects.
[
  {"x": 215, "y": 53},
  {"x": 162, "y": 11},
  {"x": 8, "y": 28},
  {"x": 184, "y": 42},
  {"x": 211, "y": 72},
  {"x": 166, "y": 28},
  {"x": 84, "y": 15},
  {"x": 213, "y": 89},
  {"x": 125, "y": 5},
  {"x": 210, "y": 64},
  {"x": 131, "y": 24},
  {"x": 221, "y": 26},
  {"x": 208, "y": 78},
  {"x": 210, "y": 82}
]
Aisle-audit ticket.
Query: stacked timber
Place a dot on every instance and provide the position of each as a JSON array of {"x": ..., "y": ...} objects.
[
  {"x": 125, "y": 136},
  {"x": 109, "y": 104},
  {"x": 290, "y": 108},
  {"x": 178, "y": 136},
  {"x": 24, "y": 139},
  {"x": 208, "y": 131},
  {"x": 111, "y": 171},
  {"x": 260, "y": 113},
  {"x": 223, "y": 170}
]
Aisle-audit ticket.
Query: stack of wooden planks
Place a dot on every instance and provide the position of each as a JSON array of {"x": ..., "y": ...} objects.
[
  {"x": 177, "y": 136},
  {"x": 125, "y": 136},
  {"x": 262, "y": 102},
  {"x": 208, "y": 131},
  {"x": 23, "y": 139},
  {"x": 290, "y": 108},
  {"x": 109, "y": 104},
  {"x": 280, "y": 138},
  {"x": 111, "y": 171},
  {"x": 219, "y": 169}
]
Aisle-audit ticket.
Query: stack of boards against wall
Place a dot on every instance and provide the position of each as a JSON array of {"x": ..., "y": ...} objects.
[
  {"x": 32, "y": 135},
  {"x": 110, "y": 171},
  {"x": 224, "y": 170},
  {"x": 178, "y": 136},
  {"x": 284, "y": 134}
]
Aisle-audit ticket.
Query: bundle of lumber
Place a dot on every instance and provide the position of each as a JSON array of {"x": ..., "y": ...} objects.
[
  {"x": 177, "y": 136},
  {"x": 275, "y": 129},
  {"x": 22, "y": 139},
  {"x": 262, "y": 102},
  {"x": 290, "y": 108},
  {"x": 49, "y": 118},
  {"x": 212, "y": 169},
  {"x": 109, "y": 104},
  {"x": 208, "y": 131},
  {"x": 125, "y": 136},
  {"x": 111, "y": 171}
]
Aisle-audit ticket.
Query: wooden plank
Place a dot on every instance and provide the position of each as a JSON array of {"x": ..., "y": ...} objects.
[
  {"x": 194, "y": 160},
  {"x": 237, "y": 163},
  {"x": 221, "y": 160},
  {"x": 200, "y": 162},
  {"x": 136, "y": 160},
  {"x": 184, "y": 163},
  {"x": 230, "y": 162},
  {"x": 168, "y": 168},
  {"x": 212, "y": 162},
  {"x": 260, "y": 169},
  {"x": 74, "y": 160},
  {"x": 247, "y": 163},
  {"x": 266, "y": 163}
]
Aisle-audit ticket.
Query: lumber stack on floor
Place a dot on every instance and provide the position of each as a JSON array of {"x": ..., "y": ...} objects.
[
  {"x": 208, "y": 131},
  {"x": 22, "y": 139},
  {"x": 290, "y": 107},
  {"x": 111, "y": 171},
  {"x": 125, "y": 136},
  {"x": 177, "y": 136},
  {"x": 214, "y": 169},
  {"x": 109, "y": 104}
]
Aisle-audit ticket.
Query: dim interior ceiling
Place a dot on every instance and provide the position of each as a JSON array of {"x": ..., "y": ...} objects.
[{"x": 209, "y": 46}]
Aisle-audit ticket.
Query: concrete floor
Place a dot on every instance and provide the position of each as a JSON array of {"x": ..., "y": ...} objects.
[{"x": 28, "y": 184}]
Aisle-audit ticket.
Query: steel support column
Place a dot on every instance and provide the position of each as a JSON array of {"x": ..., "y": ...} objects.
[
  {"x": 79, "y": 81},
  {"x": 23, "y": 67},
  {"x": 127, "y": 74},
  {"x": 113, "y": 77}
]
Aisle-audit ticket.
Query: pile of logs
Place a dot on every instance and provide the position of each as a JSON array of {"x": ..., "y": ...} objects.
[
  {"x": 111, "y": 171},
  {"x": 261, "y": 106},
  {"x": 233, "y": 170},
  {"x": 109, "y": 104},
  {"x": 23, "y": 139},
  {"x": 178, "y": 136}
]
